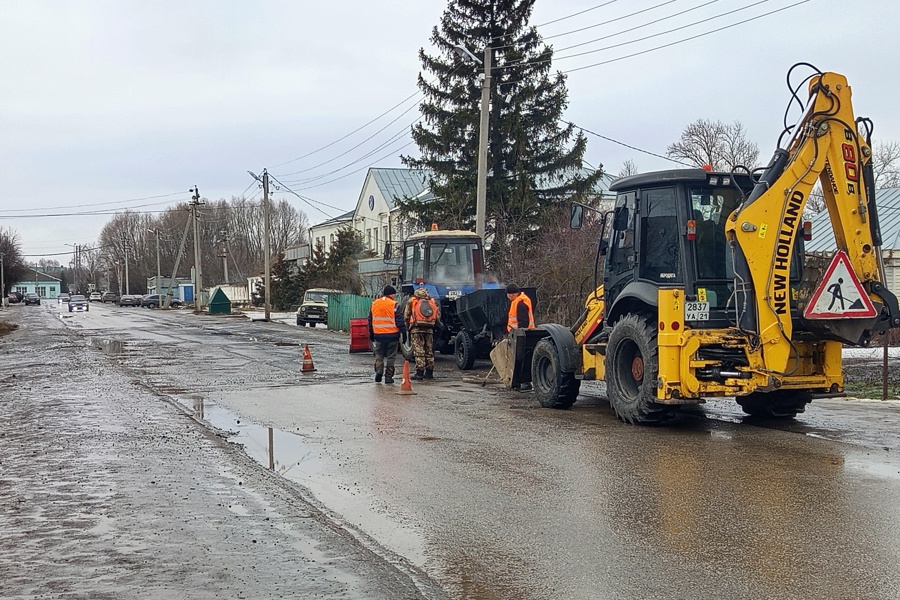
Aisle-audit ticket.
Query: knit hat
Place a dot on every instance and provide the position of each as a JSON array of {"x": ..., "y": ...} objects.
[
  {"x": 421, "y": 293},
  {"x": 388, "y": 290},
  {"x": 512, "y": 289}
]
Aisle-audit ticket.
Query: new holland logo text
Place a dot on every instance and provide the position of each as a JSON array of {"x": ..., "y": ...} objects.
[{"x": 781, "y": 274}]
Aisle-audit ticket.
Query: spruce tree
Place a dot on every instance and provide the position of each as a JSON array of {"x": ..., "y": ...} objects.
[{"x": 534, "y": 159}]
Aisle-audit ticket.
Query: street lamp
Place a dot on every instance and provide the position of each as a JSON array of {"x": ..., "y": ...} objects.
[{"x": 481, "y": 190}]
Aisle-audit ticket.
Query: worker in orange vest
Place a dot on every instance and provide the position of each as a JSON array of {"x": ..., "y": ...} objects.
[
  {"x": 521, "y": 315},
  {"x": 386, "y": 326},
  {"x": 421, "y": 314}
]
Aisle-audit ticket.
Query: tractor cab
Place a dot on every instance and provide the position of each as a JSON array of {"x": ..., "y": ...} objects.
[{"x": 448, "y": 263}]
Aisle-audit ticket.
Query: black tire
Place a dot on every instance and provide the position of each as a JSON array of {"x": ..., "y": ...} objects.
[
  {"x": 552, "y": 387},
  {"x": 781, "y": 404},
  {"x": 301, "y": 322},
  {"x": 151, "y": 305},
  {"x": 465, "y": 351},
  {"x": 632, "y": 365}
]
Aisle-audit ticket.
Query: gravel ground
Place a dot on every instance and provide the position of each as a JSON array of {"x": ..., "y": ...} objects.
[{"x": 108, "y": 491}]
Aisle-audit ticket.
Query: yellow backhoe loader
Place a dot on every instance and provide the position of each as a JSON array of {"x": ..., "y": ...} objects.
[{"x": 705, "y": 287}]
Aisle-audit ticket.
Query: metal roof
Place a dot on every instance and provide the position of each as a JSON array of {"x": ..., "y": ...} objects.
[
  {"x": 401, "y": 183},
  {"x": 887, "y": 201}
]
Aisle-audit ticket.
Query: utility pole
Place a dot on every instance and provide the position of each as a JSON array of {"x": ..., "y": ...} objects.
[
  {"x": 481, "y": 191},
  {"x": 127, "y": 282},
  {"x": 158, "y": 274},
  {"x": 266, "y": 243},
  {"x": 224, "y": 255},
  {"x": 198, "y": 272},
  {"x": 3, "y": 279}
]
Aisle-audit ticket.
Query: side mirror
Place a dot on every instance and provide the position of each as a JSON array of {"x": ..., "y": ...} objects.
[
  {"x": 576, "y": 218},
  {"x": 620, "y": 219}
]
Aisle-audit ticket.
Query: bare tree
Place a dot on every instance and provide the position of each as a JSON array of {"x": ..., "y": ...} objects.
[
  {"x": 720, "y": 145},
  {"x": 629, "y": 167},
  {"x": 886, "y": 163}
]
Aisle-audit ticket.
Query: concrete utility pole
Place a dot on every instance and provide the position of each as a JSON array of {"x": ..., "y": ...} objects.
[
  {"x": 224, "y": 255},
  {"x": 266, "y": 250},
  {"x": 127, "y": 282},
  {"x": 158, "y": 273},
  {"x": 3, "y": 280},
  {"x": 481, "y": 191},
  {"x": 198, "y": 271}
]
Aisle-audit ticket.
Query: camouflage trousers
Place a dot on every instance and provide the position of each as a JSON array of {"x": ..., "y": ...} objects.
[
  {"x": 385, "y": 355},
  {"x": 422, "y": 340}
]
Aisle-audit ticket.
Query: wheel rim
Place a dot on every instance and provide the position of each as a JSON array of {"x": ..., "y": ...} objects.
[
  {"x": 630, "y": 368},
  {"x": 544, "y": 377},
  {"x": 637, "y": 368}
]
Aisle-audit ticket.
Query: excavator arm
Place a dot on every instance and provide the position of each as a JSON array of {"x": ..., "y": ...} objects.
[{"x": 824, "y": 146}]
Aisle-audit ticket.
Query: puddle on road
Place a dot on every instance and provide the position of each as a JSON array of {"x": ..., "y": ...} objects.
[
  {"x": 109, "y": 347},
  {"x": 281, "y": 451}
]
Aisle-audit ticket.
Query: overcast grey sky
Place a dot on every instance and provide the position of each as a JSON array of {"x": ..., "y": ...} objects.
[{"x": 115, "y": 101}]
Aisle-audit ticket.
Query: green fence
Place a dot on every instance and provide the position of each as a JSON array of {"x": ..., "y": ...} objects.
[{"x": 343, "y": 307}]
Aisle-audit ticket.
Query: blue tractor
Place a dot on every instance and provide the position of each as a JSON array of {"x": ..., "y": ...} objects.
[{"x": 474, "y": 307}]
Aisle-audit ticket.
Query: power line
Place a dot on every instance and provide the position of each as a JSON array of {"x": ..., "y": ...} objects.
[
  {"x": 681, "y": 41},
  {"x": 609, "y": 139},
  {"x": 97, "y": 204},
  {"x": 581, "y": 12}
]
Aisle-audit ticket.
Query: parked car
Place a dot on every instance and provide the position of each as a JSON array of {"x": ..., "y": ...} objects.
[
  {"x": 154, "y": 300},
  {"x": 109, "y": 297},
  {"x": 14, "y": 297},
  {"x": 314, "y": 308},
  {"x": 32, "y": 298},
  {"x": 95, "y": 297},
  {"x": 62, "y": 298},
  {"x": 79, "y": 303},
  {"x": 129, "y": 300}
]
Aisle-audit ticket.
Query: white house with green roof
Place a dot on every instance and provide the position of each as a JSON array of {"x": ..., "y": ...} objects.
[
  {"x": 376, "y": 216},
  {"x": 45, "y": 286}
]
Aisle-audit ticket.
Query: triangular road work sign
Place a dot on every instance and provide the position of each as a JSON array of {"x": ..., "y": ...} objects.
[{"x": 840, "y": 295}]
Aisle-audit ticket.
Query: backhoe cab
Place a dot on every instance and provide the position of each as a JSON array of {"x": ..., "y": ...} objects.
[{"x": 706, "y": 291}]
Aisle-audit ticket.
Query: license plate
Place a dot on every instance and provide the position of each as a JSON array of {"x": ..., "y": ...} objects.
[
  {"x": 696, "y": 311},
  {"x": 454, "y": 293}
]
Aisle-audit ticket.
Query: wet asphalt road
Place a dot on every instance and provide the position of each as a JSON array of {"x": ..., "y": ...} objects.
[{"x": 494, "y": 497}]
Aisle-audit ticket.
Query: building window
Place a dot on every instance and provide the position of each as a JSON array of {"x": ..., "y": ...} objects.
[
  {"x": 384, "y": 231},
  {"x": 41, "y": 291},
  {"x": 375, "y": 231}
]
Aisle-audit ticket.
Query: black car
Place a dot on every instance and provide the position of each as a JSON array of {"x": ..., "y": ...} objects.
[
  {"x": 78, "y": 302},
  {"x": 109, "y": 297},
  {"x": 154, "y": 300},
  {"x": 62, "y": 298},
  {"x": 32, "y": 298}
]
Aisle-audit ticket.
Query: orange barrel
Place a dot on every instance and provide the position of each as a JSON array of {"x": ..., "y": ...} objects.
[{"x": 359, "y": 335}]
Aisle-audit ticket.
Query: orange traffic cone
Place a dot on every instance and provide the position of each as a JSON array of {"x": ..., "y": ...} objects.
[
  {"x": 406, "y": 386},
  {"x": 307, "y": 361}
]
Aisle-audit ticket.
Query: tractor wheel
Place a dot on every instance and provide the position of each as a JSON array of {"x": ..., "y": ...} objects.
[
  {"x": 782, "y": 404},
  {"x": 465, "y": 351},
  {"x": 552, "y": 387},
  {"x": 632, "y": 365}
]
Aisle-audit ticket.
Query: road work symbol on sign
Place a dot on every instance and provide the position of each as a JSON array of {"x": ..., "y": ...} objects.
[{"x": 840, "y": 295}]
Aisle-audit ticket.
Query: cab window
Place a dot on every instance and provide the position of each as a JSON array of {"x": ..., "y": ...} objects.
[{"x": 660, "y": 250}]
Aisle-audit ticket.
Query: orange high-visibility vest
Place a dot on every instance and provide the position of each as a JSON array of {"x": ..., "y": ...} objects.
[
  {"x": 383, "y": 316},
  {"x": 417, "y": 318},
  {"x": 513, "y": 322}
]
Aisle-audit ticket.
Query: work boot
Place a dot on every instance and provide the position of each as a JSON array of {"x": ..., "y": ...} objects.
[
  {"x": 419, "y": 376},
  {"x": 378, "y": 377},
  {"x": 429, "y": 373},
  {"x": 388, "y": 379},
  {"x": 389, "y": 374}
]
